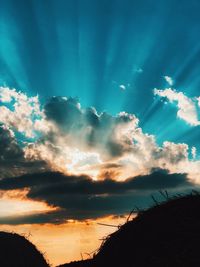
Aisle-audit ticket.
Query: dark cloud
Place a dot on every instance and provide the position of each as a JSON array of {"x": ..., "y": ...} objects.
[
  {"x": 63, "y": 111},
  {"x": 89, "y": 127},
  {"x": 79, "y": 197},
  {"x": 11, "y": 154},
  {"x": 50, "y": 183},
  {"x": 9, "y": 149},
  {"x": 40, "y": 218},
  {"x": 12, "y": 160}
]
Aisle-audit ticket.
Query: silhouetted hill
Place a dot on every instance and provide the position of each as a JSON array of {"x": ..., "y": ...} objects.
[
  {"x": 166, "y": 235},
  {"x": 85, "y": 263},
  {"x": 17, "y": 251}
]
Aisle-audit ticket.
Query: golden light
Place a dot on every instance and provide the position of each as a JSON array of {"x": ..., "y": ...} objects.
[{"x": 14, "y": 203}]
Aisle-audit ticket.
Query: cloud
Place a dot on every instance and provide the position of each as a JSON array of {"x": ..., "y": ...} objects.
[
  {"x": 12, "y": 157},
  {"x": 83, "y": 140},
  {"x": 137, "y": 69},
  {"x": 9, "y": 149},
  {"x": 76, "y": 140},
  {"x": 187, "y": 107},
  {"x": 82, "y": 135},
  {"x": 169, "y": 80},
  {"x": 101, "y": 131},
  {"x": 86, "y": 164},
  {"x": 122, "y": 87},
  {"x": 194, "y": 152},
  {"x": 20, "y": 112},
  {"x": 79, "y": 197}
]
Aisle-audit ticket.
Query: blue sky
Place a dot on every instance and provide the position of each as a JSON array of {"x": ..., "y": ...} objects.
[{"x": 87, "y": 49}]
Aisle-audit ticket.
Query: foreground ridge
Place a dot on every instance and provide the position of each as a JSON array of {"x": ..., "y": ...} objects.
[
  {"x": 17, "y": 251},
  {"x": 166, "y": 234}
]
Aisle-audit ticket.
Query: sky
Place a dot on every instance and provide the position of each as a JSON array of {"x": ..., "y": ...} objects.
[{"x": 99, "y": 110}]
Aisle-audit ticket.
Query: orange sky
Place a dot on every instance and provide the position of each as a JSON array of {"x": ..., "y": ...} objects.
[
  {"x": 61, "y": 243},
  {"x": 66, "y": 242}
]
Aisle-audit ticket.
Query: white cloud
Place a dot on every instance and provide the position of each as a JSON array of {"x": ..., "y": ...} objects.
[
  {"x": 194, "y": 152},
  {"x": 122, "y": 87},
  {"x": 18, "y": 111},
  {"x": 187, "y": 107},
  {"x": 90, "y": 140},
  {"x": 77, "y": 140},
  {"x": 169, "y": 80},
  {"x": 137, "y": 69}
]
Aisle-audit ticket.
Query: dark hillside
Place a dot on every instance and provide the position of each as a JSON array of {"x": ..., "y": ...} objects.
[
  {"x": 85, "y": 263},
  {"x": 17, "y": 251},
  {"x": 166, "y": 235}
]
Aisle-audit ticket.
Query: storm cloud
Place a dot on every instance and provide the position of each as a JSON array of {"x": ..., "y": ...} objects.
[{"x": 80, "y": 197}]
